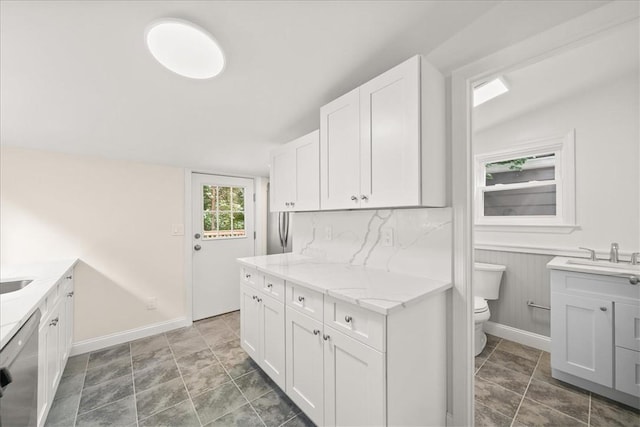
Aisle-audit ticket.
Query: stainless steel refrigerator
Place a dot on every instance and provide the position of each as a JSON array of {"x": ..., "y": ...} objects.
[{"x": 279, "y": 239}]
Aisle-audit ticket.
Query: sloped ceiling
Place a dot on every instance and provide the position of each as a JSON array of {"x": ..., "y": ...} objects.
[{"x": 75, "y": 76}]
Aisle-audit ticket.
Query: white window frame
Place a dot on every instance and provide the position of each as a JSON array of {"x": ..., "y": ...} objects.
[{"x": 565, "y": 218}]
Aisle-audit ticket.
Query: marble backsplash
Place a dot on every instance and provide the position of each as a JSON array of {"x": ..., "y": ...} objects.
[{"x": 421, "y": 243}]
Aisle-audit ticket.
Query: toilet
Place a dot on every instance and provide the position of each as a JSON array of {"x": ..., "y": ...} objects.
[{"x": 486, "y": 285}]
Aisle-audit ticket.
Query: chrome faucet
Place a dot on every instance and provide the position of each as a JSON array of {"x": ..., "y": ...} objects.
[
  {"x": 613, "y": 253},
  {"x": 634, "y": 258},
  {"x": 592, "y": 253}
]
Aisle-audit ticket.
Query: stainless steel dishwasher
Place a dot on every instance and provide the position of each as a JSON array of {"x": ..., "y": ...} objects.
[{"x": 19, "y": 377}]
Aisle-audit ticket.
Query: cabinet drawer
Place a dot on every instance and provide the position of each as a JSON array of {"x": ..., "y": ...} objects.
[
  {"x": 628, "y": 326},
  {"x": 274, "y": 287},
  {"x": 305, "y": 300},
  {"x": 251, "y": 277},
  {"x": 358, "y": 323},
  {"x": 628, "y": 371}
]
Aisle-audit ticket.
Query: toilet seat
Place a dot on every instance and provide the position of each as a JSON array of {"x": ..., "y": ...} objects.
[{"x": 480, "y": 305}]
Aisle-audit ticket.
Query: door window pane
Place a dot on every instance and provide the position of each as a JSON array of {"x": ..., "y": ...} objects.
[{"x": 223, "y": 212}]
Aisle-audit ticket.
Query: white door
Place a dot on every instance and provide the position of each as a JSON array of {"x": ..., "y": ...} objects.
[
  {"x": 304, "y": 364},
  {"x": 354, "y": 382},
  {"x": 223, "y": 225},
  {"x": 340, "y": 152},
  {"x": 582, "y": 337},
  {"x": 272, "y": 345},
  {"x": 390, "y": 137}
]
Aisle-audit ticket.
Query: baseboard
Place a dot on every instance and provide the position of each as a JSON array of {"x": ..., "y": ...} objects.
[
  {"x": 531, "y": 339},
  {"x": 105, "y": 341}
]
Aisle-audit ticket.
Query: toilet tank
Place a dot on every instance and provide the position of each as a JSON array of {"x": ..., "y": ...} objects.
[{"x": 486, "y": 280}]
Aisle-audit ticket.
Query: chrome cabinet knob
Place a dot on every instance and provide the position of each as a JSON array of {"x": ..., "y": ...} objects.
[
  {"x": 316, "y": 332},
  {"x": 69, "y": 277},
  {"x": 269, "y": 285},
  {"x": 197, "y": 247},
  {"x": 603, "y": 308},
  {"x": 326, "y": 337},
  {"x": 254, "y": 297},
  {"x": 634, "y": 280},
  {"x": 363, "y": 197},
  {"x": 354, "y": 198},
  {"x": 247, "y": 276},
  {"x": 287, "y": 204},
  {"x": 292, "y": 204},
  {"x": 348, "y": 319},
  {"x": 70, "y": 294},
  {"x": 259, "y": 299},
  {"x": 54, "y": 322},
  {"x": 300, "y": 299}
]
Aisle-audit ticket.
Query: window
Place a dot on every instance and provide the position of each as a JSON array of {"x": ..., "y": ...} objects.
[
  {"x": 223, "y": 212},
  {"x": 531, "y": 184}
]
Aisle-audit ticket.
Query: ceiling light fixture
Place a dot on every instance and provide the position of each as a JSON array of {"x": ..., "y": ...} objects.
[
  {"x": 489, "y": 90},
  {"x": 184, "y": 48}
]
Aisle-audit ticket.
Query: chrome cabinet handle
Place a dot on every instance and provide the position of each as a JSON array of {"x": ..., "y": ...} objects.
[
  {"x": 259, "y": 299},
  {"x": 54, "y": 322},
  {"x": 247, "y": 276},
  {"x": 286, "y": 203},
  {"x": 254, "y": 297},
  {"x": 300, "y": 299},
  {"x": 354, "y": 198},
  {"x": 292, "y": 204},
  {"x": 326, "y": 337},
  {"x": 316, "y": 332},
  {"x": 603, "y": 308},
  {"x": 70, "y": 294},
  {"x": 269, "y": 285},
  {"x": 634, "y": 280},
  {"x": 363, "y": 197},
  {"x": 348, "y": 319},
  {"x": 69, "y": 277}
]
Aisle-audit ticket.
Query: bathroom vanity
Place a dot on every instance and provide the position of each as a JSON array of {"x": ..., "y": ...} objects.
[
  {"x": 595, "y": 327},
  {"x": 348, "y": 344}
]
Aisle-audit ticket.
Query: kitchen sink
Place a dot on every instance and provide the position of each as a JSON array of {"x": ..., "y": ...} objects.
[{"x": 13, "y": 285}]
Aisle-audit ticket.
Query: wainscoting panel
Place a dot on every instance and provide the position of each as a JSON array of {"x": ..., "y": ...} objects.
[{"x": 526, "y": 278}]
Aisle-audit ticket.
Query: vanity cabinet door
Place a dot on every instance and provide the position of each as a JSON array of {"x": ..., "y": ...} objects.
[
  {"x": 250, "y": 321},
  {"x": 354, "y": 381},
  {"x": 582, "y": 337},
  {"x": 304, "y": 364},
  {"x": 272, "y": 344}
]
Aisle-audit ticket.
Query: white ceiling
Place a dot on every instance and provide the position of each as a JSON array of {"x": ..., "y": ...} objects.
[
  {"x": 588, "y": 66},
  {"x": 76, "y": 77}
]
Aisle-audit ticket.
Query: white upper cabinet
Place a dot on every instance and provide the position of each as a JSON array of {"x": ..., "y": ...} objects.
[
  {"x": 383, "y": 144},
  {"x": 295, "y": 175}
]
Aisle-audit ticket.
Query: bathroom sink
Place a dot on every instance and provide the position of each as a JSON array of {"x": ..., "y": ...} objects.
[
  {"x": 13, "y": 285},
  {"x": 605, "y": 264},
  {"x": 621, "y": 269}
]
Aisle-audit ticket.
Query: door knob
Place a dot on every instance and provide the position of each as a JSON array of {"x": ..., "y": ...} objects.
[
  {"x": 196, "y": 236},
  {"x": 197, "y": 247}
]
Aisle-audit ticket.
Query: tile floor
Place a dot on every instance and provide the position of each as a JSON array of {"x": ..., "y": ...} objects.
[
  {"x": 194, "y": 376},
  {"x": 514, "y": 387}
]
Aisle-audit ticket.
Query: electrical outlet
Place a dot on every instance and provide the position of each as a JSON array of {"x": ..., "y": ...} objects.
[
  {"x": 328, "y": 233},
  {"x": 386, "y": 236},
  {"x": 152, "y": 303},
  {"x": 177, "y": 229}
]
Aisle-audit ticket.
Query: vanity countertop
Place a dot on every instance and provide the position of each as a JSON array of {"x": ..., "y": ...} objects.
[
  {"x": 377, "y": 290},
  {"x": 16, "y": 307}
]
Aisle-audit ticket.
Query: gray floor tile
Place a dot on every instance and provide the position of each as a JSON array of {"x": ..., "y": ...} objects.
[
  {"x": 109, "y": 355},
  {"x": 570, "y": 403},
  {"x": 119, "y": 413},
  {"x": 76, "y": 365},
  {"x": 220, "y": 335},
  {"x": 182, "y": 415},
  {"x": 212, "y": 404},
  {"x": 108, "y": 371},
  {"x": 190, "y": 346},
  {"x": 512, "y": 361},
  {"x": 70, "y": 385},
  {"x": 197, "y": 361},
  {"x": 205, "y": 379},
  {"x": 182, "y": 334},
  {"x": 605, "y": 413},
  {"x": 234, "y": 358},
  {"x": 150, "y": 358},
  {"x": 535, "y": 414},
  {"x": 524, "y": 351},
  {"x": 496, "y": 397},
  {"x": 145, "y": 345},
  {"x": 486, "y": 417},
  {"x": 507, "y": 378},
  {"x": 244, "y": 416},
  {"x": 63, "y": 408},
  {"x": 275, "y": 408},
  {"x": 543, "y": 373},
  {"x": 211, "y": 324},
  {"x": 300, "y": 420},
  {"x": 160, "y": 397},
  {"x": 106, "y": 392},
  {"x": 156, "y": 374},
  {"x": 255, "y": 384}
]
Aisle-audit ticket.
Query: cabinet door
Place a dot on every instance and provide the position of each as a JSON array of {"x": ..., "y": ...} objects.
[
  {"x": 282, "y": 178},
  {"x": 43, "y": 397},
  {"x": 304, "y": 364},
  {"x": 307, "y": 169},
  {"x": 354, "y": 381},
  {"x": 582, "y": 337},
  {"x": 390, "y": 137},
  {"x": 272, "y": 345},
  {"x": 340, "y": 153},
  {"x": 53, "y": 353},
  {"x": 250, "y": 321},
  {"x": 69, "y": 316}
]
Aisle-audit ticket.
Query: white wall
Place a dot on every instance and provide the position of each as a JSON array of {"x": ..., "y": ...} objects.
[
  {"x": 115, "y": 216},
  {"x": 607, "y": 158}
]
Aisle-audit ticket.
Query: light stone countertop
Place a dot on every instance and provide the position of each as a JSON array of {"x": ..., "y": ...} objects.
[
  {"x": 377, "y": 290},
  {"x": 16, "y": 307}
]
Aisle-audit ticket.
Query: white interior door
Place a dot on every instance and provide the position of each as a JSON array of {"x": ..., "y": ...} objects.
[{"x": 223, "y": 226}]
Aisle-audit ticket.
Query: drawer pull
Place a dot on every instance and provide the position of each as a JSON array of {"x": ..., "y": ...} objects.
[
  {"x": 348, "y": 319},
  {"x": 326, "y": 337},
  {"x": 259, "y": 299},
  {"x": 70, "y": 294},
  {"x": 255, "y": 297},
  {"x": 634, "y": 280},
  {"x": 247, "y": 276},
  {"x": 269, "y": 285},
  {"x": 69, "y": 277},
  {"x": 54, "y": 322},
  {"x": 603, "y": 308},
  {"x": 300, "y": 299},
  {"x": 316, "y": 332}
]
